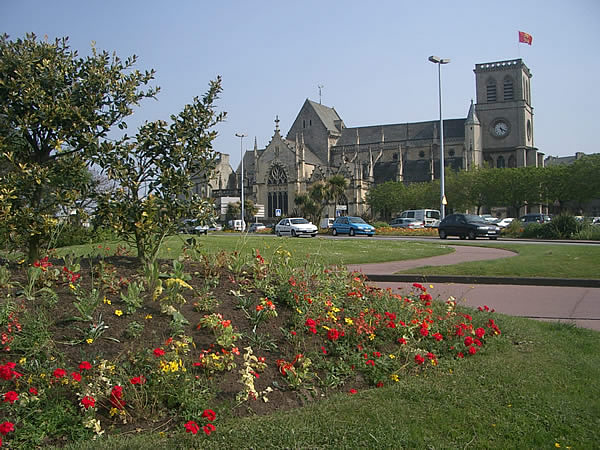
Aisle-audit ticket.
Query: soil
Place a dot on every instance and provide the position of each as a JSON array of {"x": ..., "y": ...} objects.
[{"x": 116, "y": 342}]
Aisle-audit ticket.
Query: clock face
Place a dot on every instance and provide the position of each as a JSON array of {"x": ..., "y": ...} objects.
[{"x": 501, "y": 128}]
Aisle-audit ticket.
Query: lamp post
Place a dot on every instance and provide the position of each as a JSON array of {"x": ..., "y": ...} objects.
[
  {"x": 242, "y": 136},
  {"x": 439, "y": 61}
]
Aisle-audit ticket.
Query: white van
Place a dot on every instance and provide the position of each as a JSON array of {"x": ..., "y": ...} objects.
[
  {"x": 430, "y": 217},
  {"x": 327, "y": 222}
]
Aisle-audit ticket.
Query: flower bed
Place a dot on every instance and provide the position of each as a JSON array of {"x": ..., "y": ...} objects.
[{"x": 97, "y": 347}]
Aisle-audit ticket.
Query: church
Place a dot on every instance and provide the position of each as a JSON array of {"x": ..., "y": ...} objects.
[{"x": 497, "y": 131}]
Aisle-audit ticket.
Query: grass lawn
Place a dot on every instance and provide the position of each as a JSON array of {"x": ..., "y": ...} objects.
[{"x": 532, "y": 260}]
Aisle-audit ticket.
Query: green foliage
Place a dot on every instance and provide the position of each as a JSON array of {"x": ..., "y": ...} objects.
[
  {"x": 134, "y": 298},
  {"x": 564, "y": 226},
  {"x": 154, "y": 171},
  {"x": 319, "y": 196},
  {"x": 54, "y": 109}
]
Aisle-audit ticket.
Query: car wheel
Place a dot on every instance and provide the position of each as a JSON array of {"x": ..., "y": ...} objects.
[
  {"x": 493, "y": 238},
  {"x": 313, "y": 235},
  {"x": 443, "y": 234},
  {"x": 472, "y": 235},
  {"x": 279, "y": 234},
  {"x": 334, "y": 231},
  {"x": 293, "y": 233},
  {"x": 351, "y": 233}
]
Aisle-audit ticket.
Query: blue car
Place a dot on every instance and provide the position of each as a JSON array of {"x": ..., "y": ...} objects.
[{"x": 352, "y": 226}]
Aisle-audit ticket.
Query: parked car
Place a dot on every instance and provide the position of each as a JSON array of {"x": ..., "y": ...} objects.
[
  {"x": 596, "y": 221},
  {"x": 467, "y": 225},
  {"x": 535, "y": 217},
  {"x": 352, "y": 226},
  {"x": 295, "y": 226},
  {"x": 489, "y": 218},
  {"x": 327, "y": 222},
  {"x": 401, "y": 222},
  {"x": 191, "y": 226},
  {"x": 503, "y": 223},
  {"x": 256, "y": 227}
]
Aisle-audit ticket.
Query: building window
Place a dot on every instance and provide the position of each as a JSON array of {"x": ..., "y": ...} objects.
[
  {"x": 491, "y": 91},
  {"x": 508, "y": 89},
  {"x": 421, "y": 154},
  {"x": 277, "y": 196},
  {"x": 451, "y": 152},
  {"x": 304, "y": 124},
  {"x": 500, "y": 163}
]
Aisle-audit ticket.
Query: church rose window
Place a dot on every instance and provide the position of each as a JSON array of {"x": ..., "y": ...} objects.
[{"x": 277, "y": 175}]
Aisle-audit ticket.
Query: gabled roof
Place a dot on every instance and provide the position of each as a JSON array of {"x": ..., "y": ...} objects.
[
  {"x": 453, "y": 128},
  {"x": 328, "y": 116},
  {"x": 472, "y": 118}
]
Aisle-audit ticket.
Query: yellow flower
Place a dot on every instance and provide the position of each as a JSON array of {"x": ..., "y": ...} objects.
[
  {"x": 557, "y": 445},
  {"x": 106, "y": 301},
  {"x": 148, "y": 316},
  {"x": 431, "y": 286},
  {"x": 394, "y": 377},
  {"x": 348, "y": 320},
  {"x": 299, "y": 310},
  {"x": 371, "y": 336},
  {"x": 22, "y": 361},
  {"x": 89, "y": 340},
  {"x": 72, "y": 286},
  {"x": 118, "y": 312},
  {"x": 392, "y": 356}
]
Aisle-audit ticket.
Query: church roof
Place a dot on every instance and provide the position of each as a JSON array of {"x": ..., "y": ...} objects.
[
  {"x": 453, "y": 128},
  {"x": 328, "y": 116},
  {"x": 472, "y": 118}
]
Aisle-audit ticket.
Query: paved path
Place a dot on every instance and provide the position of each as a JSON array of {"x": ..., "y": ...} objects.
[{"x": 578, "y": 305}]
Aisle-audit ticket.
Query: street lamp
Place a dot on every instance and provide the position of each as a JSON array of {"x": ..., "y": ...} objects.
[
  {"x": 439, "y": 61},
  {"x": 242, "y": 136}
]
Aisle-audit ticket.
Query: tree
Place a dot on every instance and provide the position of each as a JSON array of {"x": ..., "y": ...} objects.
[
  {"x": 154, "y": 171},
  {"x": 386, "y": 199},
  {"x": 336, "y": 187},
  {"x": 55, "y": 107}
]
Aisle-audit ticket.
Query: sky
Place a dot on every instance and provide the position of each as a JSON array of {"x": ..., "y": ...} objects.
[{"x": 369, "y": 57}]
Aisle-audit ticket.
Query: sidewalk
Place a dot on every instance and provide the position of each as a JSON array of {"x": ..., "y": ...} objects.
[{"x": 566, "y": 301}]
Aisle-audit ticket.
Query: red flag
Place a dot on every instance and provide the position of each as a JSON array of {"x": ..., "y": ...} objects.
[{"x": 525, "y": 38}]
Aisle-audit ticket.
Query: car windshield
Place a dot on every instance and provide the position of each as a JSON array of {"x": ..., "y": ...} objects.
[
  {"x": 432, "y": 214},
  {"x": 297, "y": 221},
  {"x": 356, "y": 220},
  {"x": 473, "y": 218}
]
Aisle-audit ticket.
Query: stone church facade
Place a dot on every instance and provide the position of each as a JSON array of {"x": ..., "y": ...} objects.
[{"x": 497, "y": 131}]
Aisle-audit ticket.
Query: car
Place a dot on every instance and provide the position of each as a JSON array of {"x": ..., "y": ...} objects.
[
  {"x": 596, "y": 221},
  {"x": 191, "y": 226},
  {"x": 295, "y": 227},
  {"x": 402, "y": 222},
  {"x": 430, "y": 217},
  {"x": 535, "y": 217},
  {"x": 503, "y": 223},
  {"x": 352, "y": 226},
  {"x": 256, "y": 227},
  {"x": 467, "y": 225},
  {"x": 489, "y": 218}
]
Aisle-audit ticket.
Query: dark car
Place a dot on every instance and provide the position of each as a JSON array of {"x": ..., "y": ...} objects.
[
  {"x": 535, "y": 217},
  {"x": 467, "y": 226}
]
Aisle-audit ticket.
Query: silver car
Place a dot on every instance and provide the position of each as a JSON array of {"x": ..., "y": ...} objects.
[{"x": 295, "y": 226}]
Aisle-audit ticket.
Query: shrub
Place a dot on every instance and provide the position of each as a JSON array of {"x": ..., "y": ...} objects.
[{"x": 565, "y": 226}]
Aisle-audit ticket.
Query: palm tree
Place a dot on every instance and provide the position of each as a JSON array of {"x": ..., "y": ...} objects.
[{"x": 336, "y": 187}]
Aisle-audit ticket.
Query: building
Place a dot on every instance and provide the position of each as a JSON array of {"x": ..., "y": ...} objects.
[{"x": 497, "y": 130}]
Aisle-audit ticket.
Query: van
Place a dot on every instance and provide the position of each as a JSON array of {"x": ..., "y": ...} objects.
[
  {"x": 430, "y": 217},
  {"x": 327, "y": 222}
]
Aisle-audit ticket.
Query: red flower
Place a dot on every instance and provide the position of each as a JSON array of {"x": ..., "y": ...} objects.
[
  {"x": 324, "y": 350},
  {"x": 6, "y": 427},
  {"x": 380, "y": 384},
  {"x": 352, "y": 391},
  {"x": 59, "y": 373},
  {"x": 472, "y": 350},
  {"x": 88, "y": 402},
  {"x": 479, "y": 332},
  {"x": 33, "y": 391},
  {"x": 209, "y": 414},
  {"x": 333, "y": 334},
  {"x": 116, "y": 397},
  {"x": 208, "y": 428},
  {"x": 477, "y": 342},
  {"x": 460, "y": 355},
  {"x": 424, "y": 331},
  {"x": 438, "y": 336},
  {"x": 391, "y": 316},
  {"x": 468, "y": 341},
  {"x": 11, "y": 397},
  {"x": 138, "y": 380},
  {"x": 419, "y": 359},
  {"x": 191, "y": 427},
  {"x": 402, "y": 341},
  {"x": 76, "y": 376},
  {"x": 158, "y": 352},
  {"x": 85, "y": 365},
  {"x": 370, "y": 362}
]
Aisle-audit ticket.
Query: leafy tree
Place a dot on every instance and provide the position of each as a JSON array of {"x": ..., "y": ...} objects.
[
  {"x": 54, "y": 109},
  {"x": 386, "y": 199},
  {"x": 154, "y": 171},
  {"x": 234, "y": 210}
]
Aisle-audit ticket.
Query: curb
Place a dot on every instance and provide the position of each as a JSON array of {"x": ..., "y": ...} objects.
[{"x": 457, "y": 279}]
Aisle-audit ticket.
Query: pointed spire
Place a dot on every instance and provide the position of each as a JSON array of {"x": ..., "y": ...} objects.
[
  {"x": 382, "y": 136},
  {"x": 276, "y": 124},
  {"x": 357, "y": 138},
  {"x": 255, "y": 144},
  {"x": 472, "y": 118}
]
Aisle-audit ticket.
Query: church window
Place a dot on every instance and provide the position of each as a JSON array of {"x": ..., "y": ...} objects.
[
  {"x": 508, "y": 89},
  {"x": 395, "y": 156},
  {"x": 304, "y": 124},
  {"x": 491, "y": 91},
  {"x": 277, "y": 175},
  {"x": 310, "y": 123},
  {"x": 277, "y": 196},
  {"x": 500, "y": 163},
  {"x": 421, "y": 154},
  {"x": 512, "y": 162},
  {"x": 451, "y": 152}
]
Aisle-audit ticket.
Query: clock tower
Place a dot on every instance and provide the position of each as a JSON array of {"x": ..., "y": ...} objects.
[{"x": 504, "y": 110}]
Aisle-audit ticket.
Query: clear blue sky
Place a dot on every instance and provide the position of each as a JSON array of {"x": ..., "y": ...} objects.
[{"x": 371, "y": 57}]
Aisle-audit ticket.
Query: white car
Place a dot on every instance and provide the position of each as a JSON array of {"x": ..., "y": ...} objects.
[
  {"x": 503, "y": 223},
  {"x": 295, "y": 226}
]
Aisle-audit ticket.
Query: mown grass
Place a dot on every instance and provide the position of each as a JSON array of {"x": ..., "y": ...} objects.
[
  {"x": 534, "y": 387},
  {"x": 330, "y": 251},
  {"x": 531, "y": 260}
]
